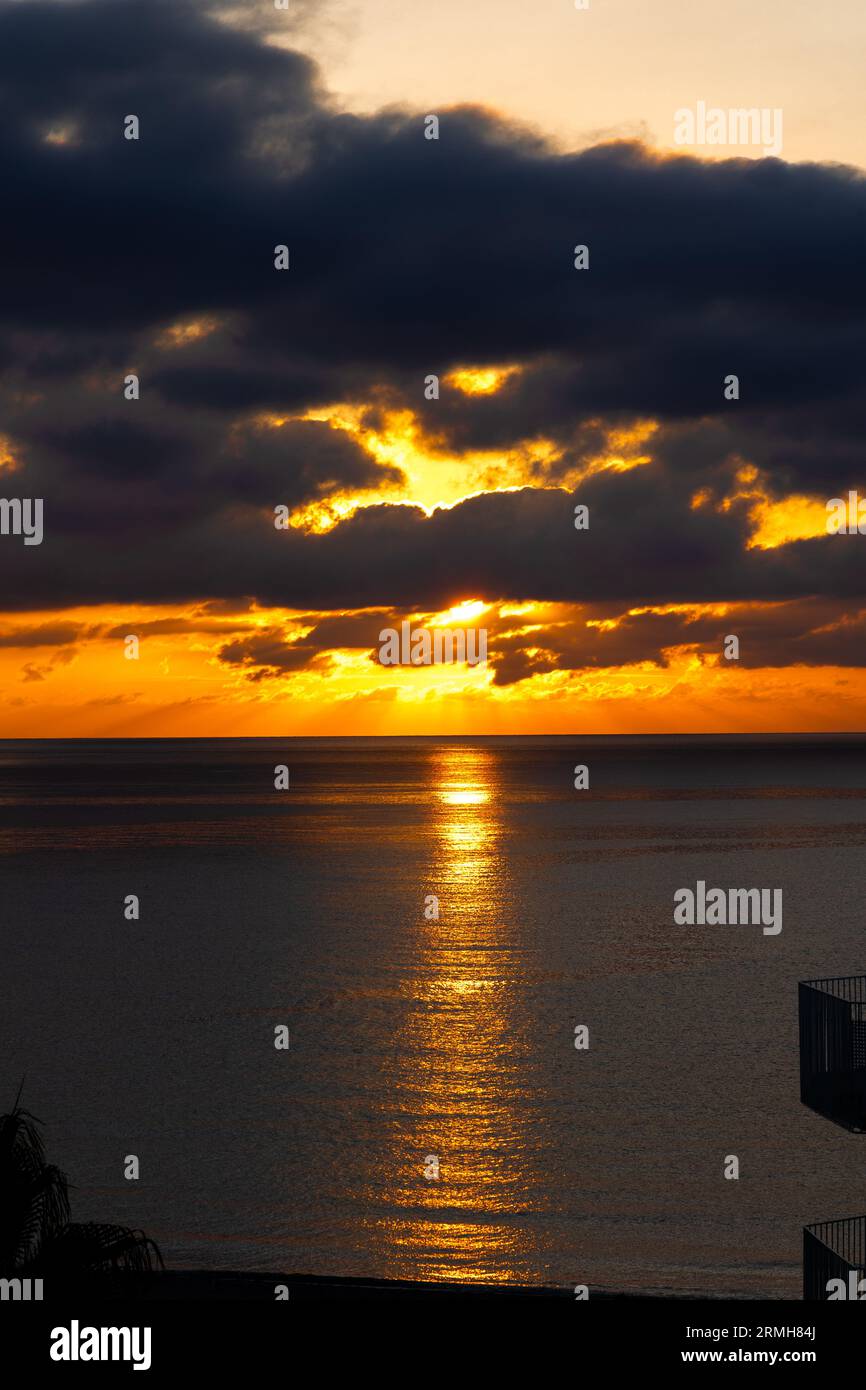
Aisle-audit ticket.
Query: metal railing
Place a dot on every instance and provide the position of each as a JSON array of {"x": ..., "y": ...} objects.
[
  {"x": 833, "y": 1250},
  {"x": 833, "y": 1048}
]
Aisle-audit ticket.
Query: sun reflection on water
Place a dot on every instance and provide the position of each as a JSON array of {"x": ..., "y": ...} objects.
[
  {"x": 464, "y": 796},
  {"x": 457, "y": 1086}
]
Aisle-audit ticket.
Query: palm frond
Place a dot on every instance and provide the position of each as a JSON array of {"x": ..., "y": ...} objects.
[
  {"x": 47, "y": 1213},
  {"x": 92, "y": 1246},
  {"x": 34, "y": 1202},
  {"x": 20, "y": 1140}
]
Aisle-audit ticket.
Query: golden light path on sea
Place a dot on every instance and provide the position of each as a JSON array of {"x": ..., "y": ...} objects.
[{"x": 459, "y": 1082}]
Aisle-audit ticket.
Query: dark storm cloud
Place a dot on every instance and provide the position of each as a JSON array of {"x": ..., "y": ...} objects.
[
  {"x": 103, "y": 448},
  {"x": 801, "y": 413},
  {"x": 168, "y": 627},
  {"x": 808, "y": 633},
  {"x": 44, "y": 635},
  {"x": 269, "y": 655},
  {"x": 645, "y": 545},
  {"x": 235, "y": 387},
  {"x": 299, "y": 460},
  {"x": 350, "y": 629},
  {"x": 116, "y": 472},
  {"x": 407, "y": 257},
  {"x": 804, "y": 633},
  {"x": 404, "y": 250},
  {"x": 273, "y": 651}
]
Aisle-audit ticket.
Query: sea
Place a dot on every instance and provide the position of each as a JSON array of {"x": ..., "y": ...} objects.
[{"x": 425, "y": 1012}]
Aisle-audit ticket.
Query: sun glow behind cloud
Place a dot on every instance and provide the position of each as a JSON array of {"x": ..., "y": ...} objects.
[
  {"x": 84, "y": 684},
  {"x": 434, "y": 477},
  {"x": 76, "y": 676},
  {"x": 463, "y": 613}
]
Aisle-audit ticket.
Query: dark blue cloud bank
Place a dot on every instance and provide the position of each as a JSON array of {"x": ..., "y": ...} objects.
[{"x": 408, "y": 256}]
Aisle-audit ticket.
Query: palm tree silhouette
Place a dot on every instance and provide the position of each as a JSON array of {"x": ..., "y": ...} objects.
[{"x": 36, "y": 1235}]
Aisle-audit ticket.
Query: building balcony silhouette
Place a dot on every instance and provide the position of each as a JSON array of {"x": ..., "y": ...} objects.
[
  {"x": 834, "y": 1250},
  {"x": 833, "y": 1049}
]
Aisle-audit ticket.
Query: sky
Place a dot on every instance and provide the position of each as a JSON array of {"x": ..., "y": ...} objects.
[
  {"x": 302, "y": 396},
  {"x": 618, "y": 69}
]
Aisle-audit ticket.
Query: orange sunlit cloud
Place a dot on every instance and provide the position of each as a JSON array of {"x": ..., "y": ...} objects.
[
  {"x": 434, "y": 476},
  {"x": 775, "y": 521},
  {"x": 481, "y": 381},
  {"x": 8, "y": 461},
  {"x": 437, "y": 477},
  {"x": 71, "y": 671}
]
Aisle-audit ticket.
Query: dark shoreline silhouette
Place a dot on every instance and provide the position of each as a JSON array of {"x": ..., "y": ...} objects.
[{"x": 180, "y": 1285}]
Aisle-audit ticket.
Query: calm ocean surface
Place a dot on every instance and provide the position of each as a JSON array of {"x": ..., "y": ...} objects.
[{"x": 454, "y": 1037}]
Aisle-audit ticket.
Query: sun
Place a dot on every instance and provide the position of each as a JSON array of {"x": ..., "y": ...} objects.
[{"x": 466, "y": 611}]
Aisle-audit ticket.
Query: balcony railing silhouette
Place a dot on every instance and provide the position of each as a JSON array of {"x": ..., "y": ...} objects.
[
  {"x": 833, "y": 1250},
  {"x": 833, "y": 1049}
]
